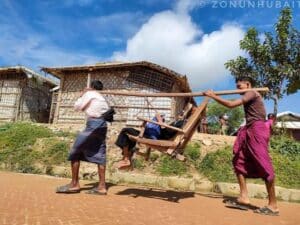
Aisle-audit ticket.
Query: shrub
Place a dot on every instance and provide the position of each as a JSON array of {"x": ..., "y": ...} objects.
[
  {"x": 217, "y": 166},
  {"x": 168, "y": 166},
  {"x": 285, "y": 146}
]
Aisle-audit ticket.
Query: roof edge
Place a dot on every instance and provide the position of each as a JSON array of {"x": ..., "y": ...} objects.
[{"x": 30, "y": 73}]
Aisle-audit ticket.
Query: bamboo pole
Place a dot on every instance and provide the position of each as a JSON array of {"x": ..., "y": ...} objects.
[{"x": 189, "y": 94}]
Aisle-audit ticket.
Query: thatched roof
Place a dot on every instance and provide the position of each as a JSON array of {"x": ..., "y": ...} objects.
[
  {"x": 180, "y": 79},
  {"x": 28, "y": 72}
]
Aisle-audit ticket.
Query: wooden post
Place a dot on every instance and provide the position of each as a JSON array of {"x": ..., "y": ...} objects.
[
  {"x": 56, "y": 114},
  {"x": 88, "y": 80},
  {"x": 18, "y": 101}
]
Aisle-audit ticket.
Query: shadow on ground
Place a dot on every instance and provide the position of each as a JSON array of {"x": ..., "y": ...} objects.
[
  {"x": 95, "y": 184},
  {"x": 171, "y": 196}
]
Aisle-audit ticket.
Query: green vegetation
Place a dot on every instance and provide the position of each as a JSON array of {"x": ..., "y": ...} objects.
[
  {"x": 24, "y": 145},
  {"x": 217, "y": 166},
  {"x": 285, "y": 154},
  {"x": 139, "y": 163},
  {"x": 272, "y": 62},
  {"x": 235, "y": 117},
  {"x": 192, "y": 152},
  {"x": 56, "y": 152},
  {"x": 286, "y": 146},
  {"x": 18, "y": 135},
  {"x": 168, "y": 166},
  {"x": 17, "y": 150}
]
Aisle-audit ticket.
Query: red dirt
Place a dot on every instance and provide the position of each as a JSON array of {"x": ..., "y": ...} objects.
[{"x": 30, "y": 199}]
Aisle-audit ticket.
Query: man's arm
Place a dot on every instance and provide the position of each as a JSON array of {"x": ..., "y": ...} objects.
[
  {"x": 82, "y": 103},
  {"x": 225, "y": 102}
]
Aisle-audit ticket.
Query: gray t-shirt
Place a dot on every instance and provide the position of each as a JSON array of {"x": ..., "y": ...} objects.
[{"x": 254, "y": 107}]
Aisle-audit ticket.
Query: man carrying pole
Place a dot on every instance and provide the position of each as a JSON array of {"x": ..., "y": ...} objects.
[{"x": 251, "y": 157}]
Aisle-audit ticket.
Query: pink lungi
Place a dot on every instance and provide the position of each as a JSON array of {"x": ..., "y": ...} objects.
[{"x": 251, "y": 154}]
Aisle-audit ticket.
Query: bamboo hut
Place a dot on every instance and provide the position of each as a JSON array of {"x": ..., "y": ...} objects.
[
  {"x": 135, "y": 76},
  {"x": 24, "y": 95}
]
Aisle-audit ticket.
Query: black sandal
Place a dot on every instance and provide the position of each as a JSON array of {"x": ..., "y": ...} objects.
[
  {"x": 95, "y": 191},
  {"x": 267, "y": 211},
  {"x": 237, "y": 205},
  {"x": 65, "y": 189}
]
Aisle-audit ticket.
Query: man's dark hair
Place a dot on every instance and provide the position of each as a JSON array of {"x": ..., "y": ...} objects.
[
  {"x": 245, "y": 78},
  {"x": 271, "y": 115},
  {"x": 97, "y": 85}
]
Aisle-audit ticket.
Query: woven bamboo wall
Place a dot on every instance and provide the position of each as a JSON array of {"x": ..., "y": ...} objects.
[
  {"x": 127, "y": 107},
  {"x": 23, "y": 99},
  {"x": 9, "y": 96},
  {"x": 35, "y": 101}
]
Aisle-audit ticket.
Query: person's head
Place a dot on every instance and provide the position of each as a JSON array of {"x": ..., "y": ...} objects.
[
  {"x": 97, "y": 85},
  {"x": 271, "y": 116},
  {"x": 244, "y": 82},
  {"x": 163, "y": 117}
]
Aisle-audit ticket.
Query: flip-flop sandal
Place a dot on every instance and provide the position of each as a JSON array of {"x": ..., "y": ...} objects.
[
  {"x": 237, "y": 205},
  {"x": 95, "y": 192},
  {"x": 266, "y": 211},
  {"x": 65, "y": 189}
]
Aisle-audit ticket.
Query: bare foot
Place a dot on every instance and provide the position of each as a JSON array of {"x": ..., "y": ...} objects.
[
  {"x": 123, "y": 163},
  {"x": 243, "y": 200},
  {"x": 273, "y": 208}
]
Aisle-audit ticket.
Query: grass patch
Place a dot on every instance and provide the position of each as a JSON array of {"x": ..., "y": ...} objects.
[
  {"x": 192, "y": 151},
  {"x": 168, "y": 166},
  {"x": 17, "y": 150},
  {"x": 217, "y": 166},
  {"x": 17, "y": 135},
  {"x": 56, "y": 152},
  {"x": 287, "y": 170},
  {"x": 153, "y": 157},
  {"x": 139, "y": 163},
  {"x": 285, "y": 155}
]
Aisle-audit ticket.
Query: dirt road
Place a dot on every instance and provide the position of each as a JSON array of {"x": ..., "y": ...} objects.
[{"x": 30, "y": 200}]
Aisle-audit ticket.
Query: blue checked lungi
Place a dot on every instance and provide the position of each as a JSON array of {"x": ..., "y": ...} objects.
[{"x": 90, "y": 144}]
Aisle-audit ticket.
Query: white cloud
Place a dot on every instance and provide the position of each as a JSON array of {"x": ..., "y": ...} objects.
[
  {"x": 184, "y": 6},
  {"x": 172, "y": 39}
]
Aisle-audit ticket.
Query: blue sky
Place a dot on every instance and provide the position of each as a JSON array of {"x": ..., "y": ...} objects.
[{"x": 192, "y": 37}]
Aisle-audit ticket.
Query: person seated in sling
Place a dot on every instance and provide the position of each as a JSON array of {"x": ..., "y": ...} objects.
[{"x": 152, "y": 131}]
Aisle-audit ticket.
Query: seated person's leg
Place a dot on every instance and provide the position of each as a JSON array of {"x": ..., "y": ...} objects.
[
  {"x": 126, "y": 161},
  {"x": 126, "y": 145}
]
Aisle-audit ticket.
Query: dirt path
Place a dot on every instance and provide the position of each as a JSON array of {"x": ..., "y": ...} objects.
[{"x": 30, "y": 199}]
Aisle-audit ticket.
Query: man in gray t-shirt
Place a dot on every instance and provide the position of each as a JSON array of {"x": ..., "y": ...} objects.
[{"x": 251, "y": 156}]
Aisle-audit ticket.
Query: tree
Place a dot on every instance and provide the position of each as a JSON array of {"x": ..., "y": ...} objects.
[
  {"x": 235, "y": 116},
  {"x": 273, "y": 62}
]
